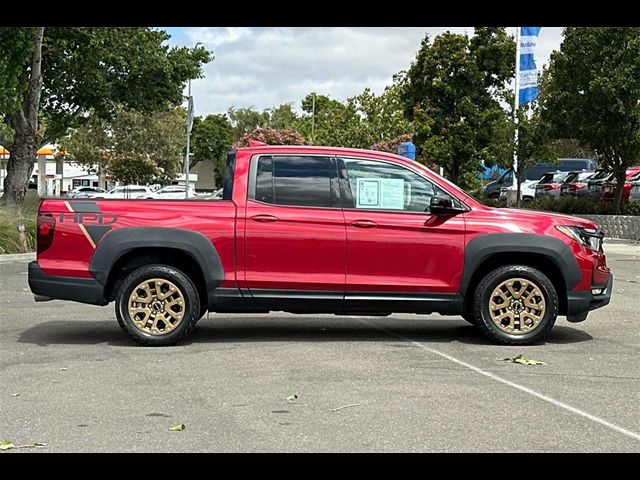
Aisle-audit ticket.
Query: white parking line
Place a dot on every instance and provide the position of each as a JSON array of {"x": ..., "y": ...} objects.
[{"x": 553, "y": 401}]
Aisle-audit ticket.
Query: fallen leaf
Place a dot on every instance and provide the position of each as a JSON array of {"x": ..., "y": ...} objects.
[
  {"x": 345, "y": 406},
  {"x": 178, "y": 427},
  {"x": 8, "y": 445},
  {"x": 292, "y": 398},
  {"x": 523, "y": 361}
]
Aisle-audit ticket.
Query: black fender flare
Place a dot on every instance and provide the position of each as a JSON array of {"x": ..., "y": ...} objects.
[
  {"x": 124, "y": 240},
  {"x": 483, "y": 247}
]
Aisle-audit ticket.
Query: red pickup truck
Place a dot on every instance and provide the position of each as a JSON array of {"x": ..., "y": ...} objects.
[{"x": 321, "y": 230}]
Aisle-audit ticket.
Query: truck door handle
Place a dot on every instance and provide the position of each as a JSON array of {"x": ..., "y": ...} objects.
[
  {"x": 364, "y": 224},
  {"x": 264, "y": 218}
]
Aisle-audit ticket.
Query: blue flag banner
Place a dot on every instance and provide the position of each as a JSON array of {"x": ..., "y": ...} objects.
[{"x": 528, "y": 76}]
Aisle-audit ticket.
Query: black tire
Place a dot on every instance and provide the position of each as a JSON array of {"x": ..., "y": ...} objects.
[
  {"x": 482, "y": 299},
  {"x": 190, "y": 306},
  {"x": 469, "y": 318},
  {"x": 203, "y": 312}
]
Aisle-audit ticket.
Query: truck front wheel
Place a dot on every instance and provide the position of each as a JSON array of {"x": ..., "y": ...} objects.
[
  {"x": 157, "y": 305},
  {"x": 515, "y": 305}
]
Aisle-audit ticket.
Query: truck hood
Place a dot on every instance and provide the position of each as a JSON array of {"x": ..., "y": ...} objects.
[{"x": 536, "y": 218}]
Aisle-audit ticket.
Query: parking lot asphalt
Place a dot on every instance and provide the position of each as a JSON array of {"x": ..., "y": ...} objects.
[{"x": 70, "y": 379}]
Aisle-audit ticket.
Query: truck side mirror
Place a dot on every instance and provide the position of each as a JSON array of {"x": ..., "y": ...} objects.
[{"x": 443, "y": 205}]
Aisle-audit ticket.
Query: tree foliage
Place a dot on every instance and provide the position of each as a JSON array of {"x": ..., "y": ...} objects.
[
  {"x": 211, "y": 139},
  {"x": 594, "y": 94},
  {"x": 246, "y": 120},
  {"x": 359, "y": 122},
  {"x": 272, "y": 136},
  {"x": 132, "y": 147},
  {"x": 452, "y": 94},
  {"x": 84, "y": 69}
]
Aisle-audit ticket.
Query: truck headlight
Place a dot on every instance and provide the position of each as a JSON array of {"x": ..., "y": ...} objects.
[{"x": 589, "y": 237}]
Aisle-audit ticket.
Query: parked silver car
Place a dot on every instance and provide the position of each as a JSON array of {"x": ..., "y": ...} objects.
[
  {"x": 549, "y": 185},
  {"x": 576, "y": 184},
  {"x": 634, "y": 195}
]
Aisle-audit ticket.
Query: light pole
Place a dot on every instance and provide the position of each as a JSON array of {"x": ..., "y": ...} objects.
[{"x": 189, "y": 125}]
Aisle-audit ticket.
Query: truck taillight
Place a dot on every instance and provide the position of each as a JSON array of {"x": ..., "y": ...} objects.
[{"x": 46, "y": 227}]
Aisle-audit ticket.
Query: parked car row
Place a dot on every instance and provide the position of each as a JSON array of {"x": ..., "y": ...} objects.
[
  {"x": 534, "y": 174},
  {"x": 171, "y": 192},
  {"x": 580, "y": 184}
]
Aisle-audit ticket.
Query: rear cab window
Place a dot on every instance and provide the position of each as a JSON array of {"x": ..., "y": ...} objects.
[{"x": 294, "y": 180}]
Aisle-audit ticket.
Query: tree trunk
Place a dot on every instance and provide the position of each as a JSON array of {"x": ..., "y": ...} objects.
[
  {"x": 518, "y": 188},
  {"x": 25, "y": 123},
  {"x": 620, "y": 181}
]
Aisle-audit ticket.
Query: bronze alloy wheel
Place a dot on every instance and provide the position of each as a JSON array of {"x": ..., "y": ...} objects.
[
  {"x": 156, "y": 306},
  {"x": 517, "y": 306}
]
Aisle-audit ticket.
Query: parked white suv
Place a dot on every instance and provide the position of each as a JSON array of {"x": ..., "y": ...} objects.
[
  {"x": 527, "y": 190},
  {"x": 171, "y": 192},
  {"x": 86, "y": 192},
  {"x": 127, "y": 191}
]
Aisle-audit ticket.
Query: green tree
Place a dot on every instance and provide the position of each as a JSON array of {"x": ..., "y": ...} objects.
[
  {"x": 594, "y": 94},
  {"x": 571, "y": 148},
  {"x": 272, "y": 136},
  {"x": 132, "y": 147},
  {"x": 246, "y": 120},
  {"x": 77, "y": 70},
  {"x": 211, "y": 139},
  {"x": 322, "y": 103},
  {"x": 359, "y": 122},
  {"x": 283, "y": 117},
  {"x": 534, "y": 144},
  {"x": 452, "y": 94}
]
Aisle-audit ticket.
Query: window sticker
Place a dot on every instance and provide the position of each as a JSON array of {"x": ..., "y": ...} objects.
[
  {"x": 368, "y": 193},
  {"x": 382, "y": 193},
  {"x": 392, "y": 193}
]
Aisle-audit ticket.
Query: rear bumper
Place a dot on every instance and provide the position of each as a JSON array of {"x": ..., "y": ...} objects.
[
  {"x": 53, "y": 287},
  {"x": 580, "y": 303}
]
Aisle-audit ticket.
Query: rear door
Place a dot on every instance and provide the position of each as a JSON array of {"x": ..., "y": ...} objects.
[{"x": 295, "y": 239}]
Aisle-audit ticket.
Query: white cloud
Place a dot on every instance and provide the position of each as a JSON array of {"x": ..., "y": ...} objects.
[{"x": 264, "y": 67}]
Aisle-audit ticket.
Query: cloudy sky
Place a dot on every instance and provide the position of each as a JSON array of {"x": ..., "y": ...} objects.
[{"x": 265, "y": 67}]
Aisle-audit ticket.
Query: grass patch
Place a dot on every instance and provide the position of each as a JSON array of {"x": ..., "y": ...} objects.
[{"x": 10, "y": 218}]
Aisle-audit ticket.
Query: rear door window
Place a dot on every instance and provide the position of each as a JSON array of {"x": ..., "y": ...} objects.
[{"x": 303, "y": 181}]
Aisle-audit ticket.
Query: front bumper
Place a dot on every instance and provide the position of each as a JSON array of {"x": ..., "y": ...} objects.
[
  {"x": 581, "y": 302},
  {"x": 53, "y": 287}
]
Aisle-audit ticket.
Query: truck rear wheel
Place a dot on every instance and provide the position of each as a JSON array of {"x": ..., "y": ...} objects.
[
  {"x": 515, "y": 305},
  {"x": 157, "y": 305}
]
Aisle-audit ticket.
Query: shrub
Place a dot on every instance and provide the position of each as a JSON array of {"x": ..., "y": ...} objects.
[
  {"x": 10, "y": 218},
  {"x": 631, "y": 208},
  {"x": 572, "y": 206}
]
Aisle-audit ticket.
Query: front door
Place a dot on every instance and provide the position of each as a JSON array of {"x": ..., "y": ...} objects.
[
  {"x": 396, "y": 249},
  {"x": 295, "y": 239}
]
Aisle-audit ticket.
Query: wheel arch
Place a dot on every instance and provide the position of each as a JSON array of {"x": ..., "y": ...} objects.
[
  {"x": 548, "y": 254},
  {"x": 123, "y": 250}
]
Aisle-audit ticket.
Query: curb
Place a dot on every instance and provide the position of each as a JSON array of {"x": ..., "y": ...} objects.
[{"x": 17, "y": 257}]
